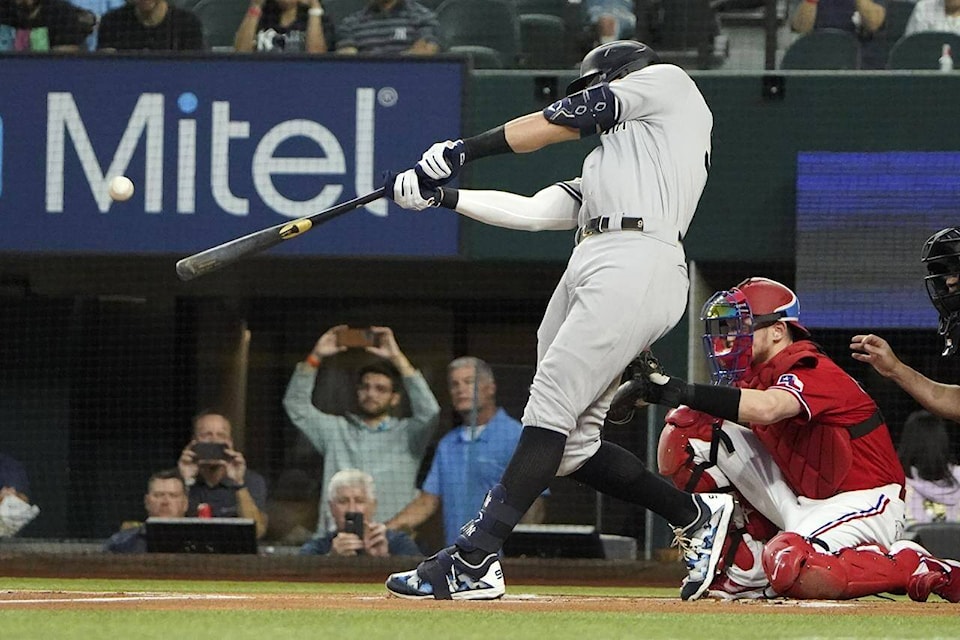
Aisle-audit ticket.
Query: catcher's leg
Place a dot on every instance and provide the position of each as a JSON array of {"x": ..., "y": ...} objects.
[{"x": 797, "y": 569}]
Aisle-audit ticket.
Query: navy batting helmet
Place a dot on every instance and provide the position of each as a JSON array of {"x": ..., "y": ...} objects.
[
  {"x": 611, "y": 61},
  {"x": 941, "y": 256}
]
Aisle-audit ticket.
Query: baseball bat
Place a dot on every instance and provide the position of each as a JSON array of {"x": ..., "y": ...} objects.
[{"x": 229, "y": 252}]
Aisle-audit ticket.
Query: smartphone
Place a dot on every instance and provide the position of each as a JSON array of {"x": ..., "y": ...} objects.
[
  {"x": 356, "y": 338},
  {"x": 208, "y": 451},
  {"x": 353, "y": 523}
]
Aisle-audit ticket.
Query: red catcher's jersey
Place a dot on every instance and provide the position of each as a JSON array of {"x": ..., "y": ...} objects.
[{"x": 814, "y": 449}]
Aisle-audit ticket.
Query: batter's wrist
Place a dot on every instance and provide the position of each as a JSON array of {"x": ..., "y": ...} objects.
[
  {"x": 488, "y": 143},
  {"x": 449, "y": 197}
]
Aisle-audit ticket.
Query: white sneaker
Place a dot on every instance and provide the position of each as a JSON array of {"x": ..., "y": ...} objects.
[
  {"x": 447, "y": 576},
  {"x": 702, "y": 542}
]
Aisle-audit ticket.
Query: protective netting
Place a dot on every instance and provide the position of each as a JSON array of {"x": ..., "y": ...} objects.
[{"x": 829, "y": 184}]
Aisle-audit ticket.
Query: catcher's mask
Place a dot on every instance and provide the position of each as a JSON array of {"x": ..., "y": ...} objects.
[
  {"x": 730, "y": 318},
  {"x": 612, "y": 61},
  {"x": 941, "y": 256}
]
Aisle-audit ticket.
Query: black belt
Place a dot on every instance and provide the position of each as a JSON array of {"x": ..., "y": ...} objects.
[
  {"x": 863, "y": 428},
  {"x": 601, "y": 225}
]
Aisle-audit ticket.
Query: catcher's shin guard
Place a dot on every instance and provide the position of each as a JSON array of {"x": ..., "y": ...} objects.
[{"x": 797, "y": 570}]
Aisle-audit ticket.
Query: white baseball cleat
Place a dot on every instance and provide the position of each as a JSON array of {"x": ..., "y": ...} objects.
[
  {"x": 701, "y": 542},
  {"x": 447, "y": 576}
]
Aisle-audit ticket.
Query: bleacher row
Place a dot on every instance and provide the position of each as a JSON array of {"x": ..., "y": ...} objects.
[
  {"x": 833, "y": 49},
  {"x": 495, "y": 34},
  {"x": 508, "y": 34}
]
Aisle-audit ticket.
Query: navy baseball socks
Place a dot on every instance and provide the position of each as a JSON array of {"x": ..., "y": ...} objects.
[{"x": 470, "y": 569}]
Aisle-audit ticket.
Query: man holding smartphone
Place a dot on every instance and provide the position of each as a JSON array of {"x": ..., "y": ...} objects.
[
  {"x": 353, "y": 503},
  {"x": 216, "y": 474},
  {"x": 387, "y": 447}
]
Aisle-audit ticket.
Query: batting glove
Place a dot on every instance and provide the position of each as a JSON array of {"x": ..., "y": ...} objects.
[
  {"x": 412, "y": 191},
  {"x": 443, "y": 161}
]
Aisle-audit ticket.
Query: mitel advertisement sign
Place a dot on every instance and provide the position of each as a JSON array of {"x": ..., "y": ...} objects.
[{"x": 218, "y": 147}]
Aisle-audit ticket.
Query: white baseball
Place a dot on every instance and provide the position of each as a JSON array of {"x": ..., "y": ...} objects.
[{"x": 121, "y": 188}]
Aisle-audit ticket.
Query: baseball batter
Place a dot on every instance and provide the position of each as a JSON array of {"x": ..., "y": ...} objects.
[
  {"x": 817, "y": 458},
  {"x": 624, "y": 287}
]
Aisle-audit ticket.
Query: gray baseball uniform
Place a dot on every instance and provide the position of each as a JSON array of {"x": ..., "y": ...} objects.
[{"x": 622, "y": 291}]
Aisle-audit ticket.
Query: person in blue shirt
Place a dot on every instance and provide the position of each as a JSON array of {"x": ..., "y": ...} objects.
[
  {"x": 352, "y": 491},
  {"x": 470, "y": 459}
]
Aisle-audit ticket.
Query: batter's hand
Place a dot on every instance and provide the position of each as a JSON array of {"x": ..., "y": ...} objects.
[
  {"x": 411, "y": 190},
  {"x": 876, "y": 352},
  {"x": 442, "y": 161}
]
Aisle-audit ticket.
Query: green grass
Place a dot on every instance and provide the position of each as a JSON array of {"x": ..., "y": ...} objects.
[{"x": 456, "y": 621}]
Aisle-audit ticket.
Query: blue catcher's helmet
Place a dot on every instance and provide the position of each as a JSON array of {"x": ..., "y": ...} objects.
[{"x": 612, "y": 61}]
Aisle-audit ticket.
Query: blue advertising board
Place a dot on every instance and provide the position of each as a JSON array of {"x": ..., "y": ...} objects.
[
  {"x": 861, "y": 221},
  {"x": 218, "y": 147}
]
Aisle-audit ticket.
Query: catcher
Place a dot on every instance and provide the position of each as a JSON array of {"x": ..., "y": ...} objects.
[{"x": 816, "y": 457}]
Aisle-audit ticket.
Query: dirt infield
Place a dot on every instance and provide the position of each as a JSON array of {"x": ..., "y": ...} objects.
[{"x": 160, "y": 601}]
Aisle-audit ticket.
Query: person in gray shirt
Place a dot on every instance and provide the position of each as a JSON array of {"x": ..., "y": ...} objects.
[{"x": 389, "y": 448}]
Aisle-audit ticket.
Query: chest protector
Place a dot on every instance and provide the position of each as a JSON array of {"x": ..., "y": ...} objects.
[{"x": 814, "y": 458}]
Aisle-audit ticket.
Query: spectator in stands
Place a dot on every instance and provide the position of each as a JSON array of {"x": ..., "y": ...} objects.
[
  {"x": 389, "y": 27},
  {"x": 15, "y": 508},
  {"x": 933, "y": 481},
  {"x": 13, "y": 478},
  {"x": 98, "y": 8},
  {"x": 224, "y": 483},
  {"x": 387, "y": 447},
  {"x": 469, "y": 459},
  {"x": 863, "y": 18},
  {"x": 352, "y": 491},
  {"x": 285, "y": 26},
  {"x": 934, "y": 15},
  {"x": 166, "y": 497},
  {"x": 611, "y": 19},
  {"x": 43, "y": 25},
  {"x": 153, "y": 25}
]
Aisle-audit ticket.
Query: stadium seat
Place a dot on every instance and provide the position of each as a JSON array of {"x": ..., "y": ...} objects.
[
  {"x": 340, "y": 9},
  {"x": 542, "y": 42},
  {"x": 220, "y": 19},
  {"x": 480, "y": 57},
  {"x": 832, "y": 49},
  {"x": 898, "y": 14},
  {"x": 922, "y": 50},
  {"x": 685, "y": 30},
  {"x": 484, "y": 23},
  {"x": 556, "y": 8}
]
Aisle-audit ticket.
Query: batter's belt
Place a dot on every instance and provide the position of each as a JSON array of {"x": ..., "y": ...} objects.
[{"x": 656, "y": 228}]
